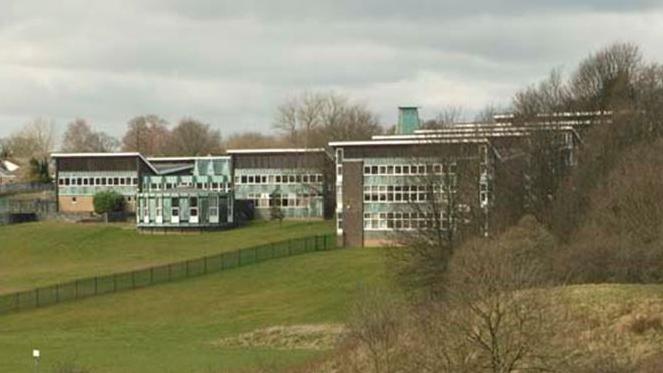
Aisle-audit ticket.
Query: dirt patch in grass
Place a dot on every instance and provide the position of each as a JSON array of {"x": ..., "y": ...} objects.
[{"x": 291, "y": 337}]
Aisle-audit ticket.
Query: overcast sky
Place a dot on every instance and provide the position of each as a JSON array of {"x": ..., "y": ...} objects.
[{"x": 230, "y": 63}]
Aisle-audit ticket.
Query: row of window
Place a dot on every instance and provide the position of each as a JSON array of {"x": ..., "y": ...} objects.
[
  {"x": 415, "y": 169},
  {"x": 401, "y": 193},
  {"x": 175, "y": 207},
  {"x": 97, "y": 181},
  {"x": 282, "y": 200},
  {"x": 278, "y": 179},
  {"x": 205, "y": 186},
  {"x": 402, "y": 220}
]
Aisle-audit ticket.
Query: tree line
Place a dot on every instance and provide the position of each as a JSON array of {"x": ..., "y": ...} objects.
[{"x": 310, "y": 119}]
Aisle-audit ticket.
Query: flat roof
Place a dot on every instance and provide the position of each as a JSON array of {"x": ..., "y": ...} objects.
[
  {"x": 275, "y": 150},
  {"x": 415, "y": 141},
  {"x": 83, "y": 155},
  {"x": 191, "y": 158}
]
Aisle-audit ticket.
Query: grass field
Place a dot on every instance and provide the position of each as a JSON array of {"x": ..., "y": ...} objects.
[
  {"x": 37, "y": 254},
  {"x": 173, "y": 327}
]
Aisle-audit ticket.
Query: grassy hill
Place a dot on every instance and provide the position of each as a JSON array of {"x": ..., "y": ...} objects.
[
  {"x": 181, "y": 326},
  {"x": 44, "y": 253}
]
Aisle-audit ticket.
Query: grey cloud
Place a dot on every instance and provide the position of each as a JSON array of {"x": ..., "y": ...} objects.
[{"x": 231, "y": 63}]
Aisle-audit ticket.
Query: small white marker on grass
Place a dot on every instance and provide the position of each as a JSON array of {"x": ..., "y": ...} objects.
[{"x": 35, "y": 355}]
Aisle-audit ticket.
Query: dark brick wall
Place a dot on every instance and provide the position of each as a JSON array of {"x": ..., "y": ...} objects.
[{"x": 353, "y": 204}]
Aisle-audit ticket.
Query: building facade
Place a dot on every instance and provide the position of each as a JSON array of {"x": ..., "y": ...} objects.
[
  {"x": 188, "y": 193},
  {"x": 298, "y": 182},
  {"x": 462, "y": 175},
  {"x": 79, "y": 176}
]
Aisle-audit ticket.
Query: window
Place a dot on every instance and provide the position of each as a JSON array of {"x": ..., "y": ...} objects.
[
  {"x": 159, "y": 207},
  {"x": 263, "y": 179},
  {"x": 79, "y": 181},
  {"x": 339, "y": 155},
  {"x": 175, "y": 207},
  {"x": 213, "y": 206},
  {"x": 85, "y": 181},
  {"x": 305, "y": 178},
  {"x": 278, "y": 179},
  {"x": 116, "y": 181},
  {"x": 60, "y": 181},
  {"x": 66, "y": 181},
  {"x": 135, "y": 181},
  {"x": 244, "y": 179}
]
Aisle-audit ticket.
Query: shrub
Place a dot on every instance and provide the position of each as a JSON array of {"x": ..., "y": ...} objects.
[
  {"x": 108, "y": 201},
  {"x": 276, "y": 213}
]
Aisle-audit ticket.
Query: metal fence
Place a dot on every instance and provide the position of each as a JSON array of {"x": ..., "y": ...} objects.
[{"x": 92, "y": 286}]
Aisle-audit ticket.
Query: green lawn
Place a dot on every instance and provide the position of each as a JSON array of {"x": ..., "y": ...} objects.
[
  {"x": 172, "y": 327},
  {"x": 44, "y": 253}
]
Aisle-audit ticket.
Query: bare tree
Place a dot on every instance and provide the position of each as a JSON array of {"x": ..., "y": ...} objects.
[
  {"x": 376, "y": 324},
  {"x": 146, "y": 134},
  {"x": 495, "y": 316},
  {"x": 251, "y": 140},
  {"x": 446, "y": 117},
  {"x": 35, "y": 140},
  {"x": 444, "y": 199},
  {"x": 299, "y": 118},
  {"x": 314, "y": 119},
  {"x": 605, "y": 79},
  {"x": 79, "y": 137},
  {"x": 550, "y": 95},
  {"x": 193, "y": 137}
]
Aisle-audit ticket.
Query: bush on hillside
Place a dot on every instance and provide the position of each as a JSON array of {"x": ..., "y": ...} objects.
[
  {"x": 108, "y": 201},
  {"x": 621, "y": 239}
]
